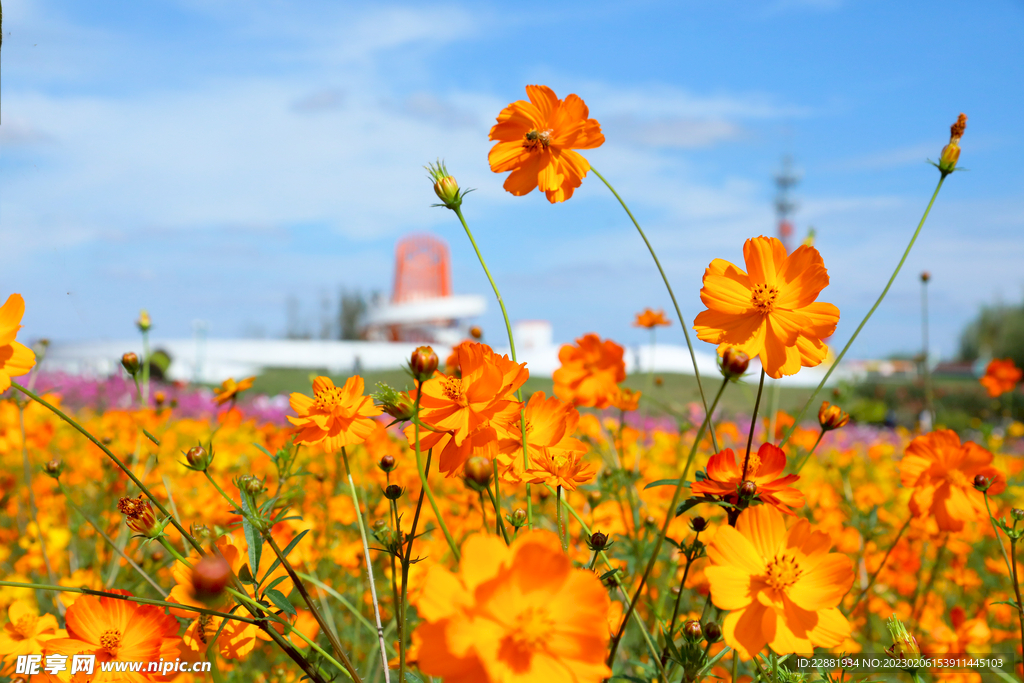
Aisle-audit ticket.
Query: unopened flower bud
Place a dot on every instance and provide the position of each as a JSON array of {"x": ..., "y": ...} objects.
[
  {"x": 650, "y": 520},
  {"x": 479, "y": 470},
  {"x": 597, "y": 541},
  {"x": 445, "y": 187},
  {"x": 423, "y": 363},
  {"x": 951, "y": 152},
  {"x": 159, "y": 398},
  {"x": 130, "y": 362},
  {"x": 251, "y": 484},
  {"x": 210, "y": 575},
  {"x": 904, "y": 645},
  {"x": 698, "y": 524},
  {"x": 144, "y": 322},
  {"x": 517, "y": 518},
  {"x": 712, "y": 632},
  {"x": 981, "y": 482},
  {"x": 1017, "y": 513},
  {"x": 475, "y": 332},
  {"x": 692, "y": 631},
  {"x": 594, "y": 498},
  {"x": 734, "y": 362},
  {"x": 748, "y": 489},
  {"x": 832, "y": 416},
  {"x": 54, "y": 468},
  {"x": 198, "y": 458},
  {"x": 387, "y": 463},
  {"x": 201, "y": 532},
  {"x": 925, "y": 276},
  {"x": 393, "y": 492}
]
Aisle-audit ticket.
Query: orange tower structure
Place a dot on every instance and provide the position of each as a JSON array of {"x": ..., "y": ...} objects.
[{"x": 422, "y": 269}]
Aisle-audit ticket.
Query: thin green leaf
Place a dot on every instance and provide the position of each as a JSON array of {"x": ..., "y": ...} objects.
[
  {"x": 252, "y": 539},
  {"x": 285, "y": 552},
  {"x": 280, "y": 601},
  {"x": 662, "y": 482}
]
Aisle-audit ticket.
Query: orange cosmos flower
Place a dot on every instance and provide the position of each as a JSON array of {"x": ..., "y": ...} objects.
[
  {"x": 782, "y": 587},
  {"x": 725, "y": 476},
  {"x": 560, "y": 469},
  {"x": 336, "y": 417},
  {"x": 550, "y": 424},
  {"x": 941, "y": 471},
  {"x": 1000, "y": 377},
  {"x": 112, "y": 630},
  {"x": 769, "y": 311},
  {"x": 651, "y": 319},
  {"x": 229, "y": 389},
  {"x": 536, "y": 140},
  {"x": 626, "y": 399},
  {"x": 590, "y": 372},
  {"x": 517, "y": 613},
  {"x": 461, "y": 405},
  {"x": 16, "y": 359}
]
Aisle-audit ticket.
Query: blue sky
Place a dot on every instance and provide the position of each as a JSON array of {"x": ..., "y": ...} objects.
[{"x": 210, "y": 159}]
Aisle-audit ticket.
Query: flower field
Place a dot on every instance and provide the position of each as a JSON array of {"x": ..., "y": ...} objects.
[{"x": 456, "y": 529}]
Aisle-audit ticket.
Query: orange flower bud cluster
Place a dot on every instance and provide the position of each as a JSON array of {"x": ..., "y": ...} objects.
[
  {"x": 832, "y": 416},
  {"x": 951, "y": 152},
  {"x": 139, "y": 516},
  {"x": 734, "y": 362}
]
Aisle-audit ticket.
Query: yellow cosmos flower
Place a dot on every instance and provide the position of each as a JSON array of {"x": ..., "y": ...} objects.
[
  {"x": 782, "y": 587},
  {"x": 16, "y": 359},
  {"x": 770, "y": 310},
  {"x": 335, "y": 416}
]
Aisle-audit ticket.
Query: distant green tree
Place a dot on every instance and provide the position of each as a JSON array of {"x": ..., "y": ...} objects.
[
  {"x": 351, "y": 313},
  {"x": 996, "y": 332}
]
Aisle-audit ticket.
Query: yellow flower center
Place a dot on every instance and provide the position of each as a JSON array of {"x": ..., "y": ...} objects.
[
  {"x": 111, "y": 640},
  {"x": 529, "y": 632},
  {"x": 329, "y": 399},
  {"x": 26, "y": 625},
  {"x": 783, "y": 571},
  {"x": 763, "y": 297},
  {"x": 957, "y": 478},
  {"x": 537, "y": 138},
  {"x": 452, "y": 387}
]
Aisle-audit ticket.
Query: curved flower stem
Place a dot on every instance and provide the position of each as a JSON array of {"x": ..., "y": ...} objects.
[
  {"x": 558, "y": 519},
  {"x": 1016, "y": 587},
  {"x": 134, "y": 565},
  {"x": 496, "y": 502},
  {"x": 512, "y": 347},
  {"x": 636, "y": 617},
  {"x": 796, "y": 470},
  {"x": 423, "y": 478},
  {"x": 124, "y": 468},
  {"x": 145, "y": 368},
  {"x": 690, "y": 557},
  {"x": 369, "y": 573},
  {"x": 995, "y": 530},
  {"x": 839, "y": 358},
  {"x": 878, "y": 571},
  {"x": 407, "y": 563},
  {"x": 127, "y": 598},
  {"x": 753, "y": 423},
  {"x": 682, "y": 323},
  {"x": 669, "y": 516},
  {"x": 500, "y": 524}
]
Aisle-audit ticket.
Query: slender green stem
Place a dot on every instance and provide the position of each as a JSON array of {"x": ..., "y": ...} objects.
[
  {"x": 690, "y": 556},
  {"x": 939, "y": 557},
  {"x": 679, "y": 314},
  {"x": 369, "y": 568},
  {"x": 406, "y": 564},
  {"x": 124, "y": 468},
  {"x": 651, "y": 647},
  {"x": 301, "y": 587},
  {"x": 134, "y": 565},
  {"x": 995, "y": 530},
  {"x": 33, "y": 510},
  {"x": 874, "y": 576},
  {"x": 426, "y": 484},
  {"x": 145, "y": 368},
  {"x": 173, "y": 551},
  {"x": 126, "y": 598},
  {"x": 558, "y": 519},
  {"x": 669, "y": 516},
  {"x": 867, "y": 317},
  {"x": 753, "y": 423},
  {"x": 928, "y": 402},
  {"x": 512, "y": 347},
  {"x": 1016, "y": 587},
  {"x": 796, "y": 470},
  {"x": 500, "y": 525}
]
